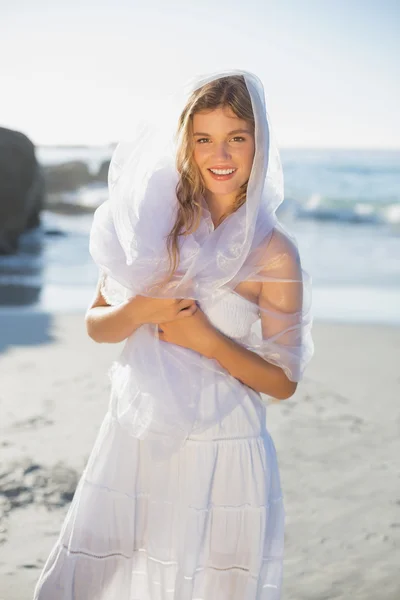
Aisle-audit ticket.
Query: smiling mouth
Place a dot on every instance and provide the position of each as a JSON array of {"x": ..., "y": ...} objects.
[
  {"x": 227, "y": 171},
  {"x": 222, "y": 174}
]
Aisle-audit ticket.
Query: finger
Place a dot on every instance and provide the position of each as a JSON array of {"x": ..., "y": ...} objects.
[
  {"x": 185, "y": 303},
  {"x": 187, "y": 312}
]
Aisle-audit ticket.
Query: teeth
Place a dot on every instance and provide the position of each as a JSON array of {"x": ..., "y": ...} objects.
[{"x": 222, "y": 171}]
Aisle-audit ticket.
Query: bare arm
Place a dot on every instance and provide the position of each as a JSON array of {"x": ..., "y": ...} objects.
[
  {"x": 280, "y": 301},
  {"x": 197, "y": 333},
  {"x": 251, "y": 369},
  {"x": 113, "y": 324}
]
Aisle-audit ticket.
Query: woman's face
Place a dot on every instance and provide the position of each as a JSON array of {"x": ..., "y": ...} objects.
[{"x": 223, "y": 150}]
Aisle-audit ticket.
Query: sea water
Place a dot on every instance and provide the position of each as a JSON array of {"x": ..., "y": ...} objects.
[{"x": 342, "y": 206}]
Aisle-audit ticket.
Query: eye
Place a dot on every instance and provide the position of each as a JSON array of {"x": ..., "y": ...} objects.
[{"x": 237, "y": 138}]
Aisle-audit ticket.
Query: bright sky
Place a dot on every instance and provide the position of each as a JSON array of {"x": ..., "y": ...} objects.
[{"x": 74, "y": 71}]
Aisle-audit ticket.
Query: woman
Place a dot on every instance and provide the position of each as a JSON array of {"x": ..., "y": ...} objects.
[{"x": 181, "y": 496}]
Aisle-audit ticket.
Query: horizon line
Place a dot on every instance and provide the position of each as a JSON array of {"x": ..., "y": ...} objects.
[{"x": 282, "y": 147}]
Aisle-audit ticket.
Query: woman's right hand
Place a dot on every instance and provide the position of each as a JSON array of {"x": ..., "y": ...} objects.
[
  {"x": 162, "y": 310},
  {"x": 113, "y": 324}
]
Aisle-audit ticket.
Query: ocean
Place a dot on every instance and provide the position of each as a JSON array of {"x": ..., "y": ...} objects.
[{"x": 342, "y": 206}]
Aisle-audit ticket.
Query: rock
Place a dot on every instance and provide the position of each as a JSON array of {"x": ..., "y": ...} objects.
[
  {"x": 102, "y": 175},
  {"x": 57, "y": 203},
  {"x": 70, "y": 176},
  {"x": 66, "y": 177},
  {"x": 22, "y": 188},
  {"x": 55, "y": 232}
]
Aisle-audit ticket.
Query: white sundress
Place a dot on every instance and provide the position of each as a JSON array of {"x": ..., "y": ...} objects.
[{"x": 205, "y": 524}]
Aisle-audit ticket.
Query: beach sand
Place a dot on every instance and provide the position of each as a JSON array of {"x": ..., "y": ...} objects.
[{"x": 337, "y": 440}]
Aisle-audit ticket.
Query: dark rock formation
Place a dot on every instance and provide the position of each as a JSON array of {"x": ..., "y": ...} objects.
[
  {"x": 103, "y": 172},
  {"x": 22, "y": 188},
  {"x": 70, "y": 176},
  {"x": 66, "y": 177}
]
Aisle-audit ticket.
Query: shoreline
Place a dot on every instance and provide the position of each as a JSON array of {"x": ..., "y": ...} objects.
[{"x": 336, "y": 440}]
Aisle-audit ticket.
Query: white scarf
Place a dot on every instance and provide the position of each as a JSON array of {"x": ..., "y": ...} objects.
[{"x": 161, "y": 392}]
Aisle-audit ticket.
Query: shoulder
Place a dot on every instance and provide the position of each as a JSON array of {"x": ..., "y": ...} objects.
[
  {"x": 281, "y": 274},
  {"x": 281, "y": 254}
]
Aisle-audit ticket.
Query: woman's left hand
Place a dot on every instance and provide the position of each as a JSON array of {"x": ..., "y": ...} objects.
[{"x": 195, "y": 332}]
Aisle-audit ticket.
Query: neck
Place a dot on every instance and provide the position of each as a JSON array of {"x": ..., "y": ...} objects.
[{"x": 219, "y": 205}]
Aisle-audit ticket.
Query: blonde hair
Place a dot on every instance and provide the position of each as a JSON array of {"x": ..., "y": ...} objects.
[{"x": 230, "y": 91}]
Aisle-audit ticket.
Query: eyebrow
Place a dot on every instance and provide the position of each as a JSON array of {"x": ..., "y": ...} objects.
[{"x": 230, "y": 133}]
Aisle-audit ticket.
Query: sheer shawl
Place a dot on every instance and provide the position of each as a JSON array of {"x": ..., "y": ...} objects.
[{"x": 162, "y": 392}]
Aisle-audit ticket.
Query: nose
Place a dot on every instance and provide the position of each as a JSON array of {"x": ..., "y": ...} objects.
[{"x": 222, "y": 151}]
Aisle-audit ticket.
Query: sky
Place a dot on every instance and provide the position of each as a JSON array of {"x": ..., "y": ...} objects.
[{"x": 75, "y": 72}]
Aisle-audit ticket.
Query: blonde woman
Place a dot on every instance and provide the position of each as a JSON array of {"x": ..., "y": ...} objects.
[{"x": 181, "y": 497}]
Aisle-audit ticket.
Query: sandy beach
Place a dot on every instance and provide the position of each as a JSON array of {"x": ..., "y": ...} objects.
[{"x": 337, "y": 440}]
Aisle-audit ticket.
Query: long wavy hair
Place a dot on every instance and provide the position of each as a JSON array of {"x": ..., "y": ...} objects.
[{"x": 230, "y": 91}]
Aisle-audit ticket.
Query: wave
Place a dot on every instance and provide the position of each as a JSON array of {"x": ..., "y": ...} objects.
[
  {"x": 350, "y": 210},
  {"x": 364, "y": 170}
]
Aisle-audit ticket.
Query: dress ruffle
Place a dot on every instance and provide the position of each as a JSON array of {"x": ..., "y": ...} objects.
[{"x": 207, "y": 524}]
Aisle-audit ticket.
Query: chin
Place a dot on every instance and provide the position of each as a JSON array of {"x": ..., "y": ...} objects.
[{"x": 221, "y": 188}]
